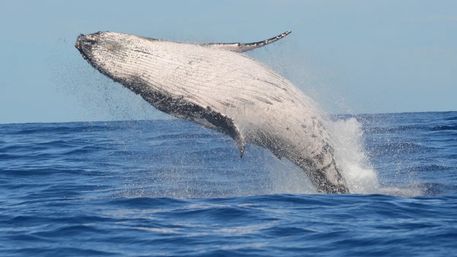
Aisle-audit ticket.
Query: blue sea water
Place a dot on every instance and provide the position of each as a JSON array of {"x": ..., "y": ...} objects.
[{"x": 172, "y": 188}]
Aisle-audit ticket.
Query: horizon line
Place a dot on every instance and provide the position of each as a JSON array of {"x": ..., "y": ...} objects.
[{"x": 174, "y": 118}]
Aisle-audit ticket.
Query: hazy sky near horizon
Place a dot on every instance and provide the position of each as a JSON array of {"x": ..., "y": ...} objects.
[{"x": 351, "y": 56}]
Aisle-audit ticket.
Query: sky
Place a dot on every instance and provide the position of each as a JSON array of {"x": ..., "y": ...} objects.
[{"x": 350, "y": 56}]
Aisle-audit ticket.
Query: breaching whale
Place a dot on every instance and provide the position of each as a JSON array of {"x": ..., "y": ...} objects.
[{"x": 215, "y": 85}]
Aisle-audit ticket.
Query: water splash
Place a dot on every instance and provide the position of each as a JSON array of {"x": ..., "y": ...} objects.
[
  {"x": 355, "y": 165},
  {"x": 350, "y": 156}
]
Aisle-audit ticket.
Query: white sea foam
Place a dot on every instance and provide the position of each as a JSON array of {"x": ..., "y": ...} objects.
[{"x": 360, "y": 176}]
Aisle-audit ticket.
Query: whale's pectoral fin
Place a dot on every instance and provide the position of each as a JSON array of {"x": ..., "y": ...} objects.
[
  {"x": 240, "y": 143},
  {"x": 225, "y": 125},
  {"x": 243, "y": 47},
  {"x": 185, "y": 108}
]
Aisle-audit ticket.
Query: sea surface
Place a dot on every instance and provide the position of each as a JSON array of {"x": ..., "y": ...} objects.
[{"x": 172, "y": 188}]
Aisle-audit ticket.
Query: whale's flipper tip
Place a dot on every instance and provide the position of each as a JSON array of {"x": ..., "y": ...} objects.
[
  {"x": 244, "y": 47},
  {"x": 241, "y": 144}
]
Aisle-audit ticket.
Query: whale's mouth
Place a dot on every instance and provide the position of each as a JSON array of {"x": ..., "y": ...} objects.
[{"x": 85, "y": 44}]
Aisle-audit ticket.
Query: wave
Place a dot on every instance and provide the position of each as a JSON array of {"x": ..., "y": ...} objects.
[{"x": 184, "y": 160}]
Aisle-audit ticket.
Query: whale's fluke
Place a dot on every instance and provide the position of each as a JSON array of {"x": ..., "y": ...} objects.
[
  {"x": 225, "y": 91},
  {"x": 243, "y": 47}
]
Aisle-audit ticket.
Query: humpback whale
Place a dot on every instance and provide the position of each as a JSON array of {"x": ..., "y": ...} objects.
[{"x": 219, "y": 87}]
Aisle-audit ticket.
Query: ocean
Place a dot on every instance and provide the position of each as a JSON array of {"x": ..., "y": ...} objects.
[{"x": 173, "y": 188}]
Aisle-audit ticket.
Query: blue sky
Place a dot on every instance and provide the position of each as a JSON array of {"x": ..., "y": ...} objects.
[{"x": 351, "y": 56}]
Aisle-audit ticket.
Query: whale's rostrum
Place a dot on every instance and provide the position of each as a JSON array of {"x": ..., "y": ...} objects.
[{"x": 216, "y": 86}]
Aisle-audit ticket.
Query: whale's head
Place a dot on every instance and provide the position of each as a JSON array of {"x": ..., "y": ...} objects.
[{"x": 114, "y": 54}]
